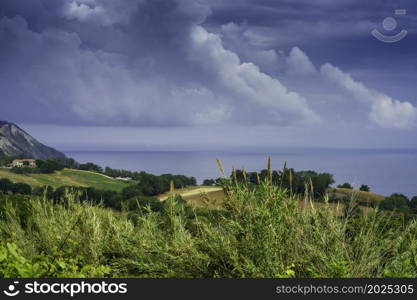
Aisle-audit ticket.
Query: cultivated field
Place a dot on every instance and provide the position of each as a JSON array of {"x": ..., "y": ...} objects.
[
  {"x": 67, "y": 177},
  {"x": 212, "y": 198}
]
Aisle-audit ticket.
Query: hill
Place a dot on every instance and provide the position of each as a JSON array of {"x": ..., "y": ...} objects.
[
  {"x": 14, "y": 141},
  {"x": 363, "y": 198},
  {"x": 212, "y": 197},
  {"x": 67, "y": 177},
  {"x": 200, "y": 196}
]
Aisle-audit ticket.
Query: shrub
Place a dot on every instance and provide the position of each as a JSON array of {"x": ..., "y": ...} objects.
[
  {"x": 365, "y": 188},
  {"x": 21, "y": 188},
  {"x": 397, "y": 202},
  {"x": 345, "y": 186},
  {"x": 5, "y": 185},
  {"x": 413, "y": 204},
  {"x": 209, "y": 182}
]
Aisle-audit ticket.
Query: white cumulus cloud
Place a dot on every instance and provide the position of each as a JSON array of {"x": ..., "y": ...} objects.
[
  {"x": 245, "y": 80},
  {"x": 83, "y": 12},
  {"x": 298, "y": 63},
  {"x": 386, "y": 112}
]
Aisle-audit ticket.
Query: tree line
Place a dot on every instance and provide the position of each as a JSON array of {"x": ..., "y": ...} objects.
[
  {"x": 401, "y": 203},
  {"x": 149, "y": 184},
  {"x": 346, "y": 185},
  {"x": 143, "y": 191},
  {"x": 117, "y": 200},
  {"x": 294, "y": 181},
  {"x": 298, "y": 182},
  {"x": 7, "y": 186}
]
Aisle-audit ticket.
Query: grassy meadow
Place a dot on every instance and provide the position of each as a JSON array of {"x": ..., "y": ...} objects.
[
  {"x": 362, "y": 197},
  {"x": 66, "y": 177},
  {"x": 213, "y": 198}
]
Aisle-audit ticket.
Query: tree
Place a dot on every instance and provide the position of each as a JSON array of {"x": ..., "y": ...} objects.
[
  {"x": 321, "y": 182},
  {"x": 413, "y": 204},
  {"x": 49, "y": 166},
  {"x": 219, "y": 181},
  {"x": 253, "y": 178},
  {"x": 397, "y": 202},
  {"x": 297, "y": 181},
  {"x": 345, "y": 186},
  {"x": 209, "y": 182},
  {"x": 21, "y": 188},
  {"x": 5, "y": 160},
  {"x": 5, "y": 185},
  {"x": 365, "y": 188},
  {"x": 91, "y": 167},
  {"x": 43, "y": 191},
  {"x": 152, "y": 185},
  {"x": 131, "y": 191},
  {"x": 59, "y": 193}
]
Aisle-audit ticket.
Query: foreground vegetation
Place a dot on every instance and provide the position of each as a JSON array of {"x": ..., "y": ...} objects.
[{"x": 258, "y": 232}]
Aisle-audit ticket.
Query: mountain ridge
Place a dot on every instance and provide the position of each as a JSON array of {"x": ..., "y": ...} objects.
[{"x": 14, "y": 141}]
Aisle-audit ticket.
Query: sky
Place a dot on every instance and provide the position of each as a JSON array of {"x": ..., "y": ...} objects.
[{"x": 195, "y": 74}]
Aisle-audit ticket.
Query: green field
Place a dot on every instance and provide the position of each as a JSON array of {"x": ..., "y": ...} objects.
[
  {"x": 213, "y": 197},
  {"x": 363, "y": 197},
  {"x": 67, "y": 177}
]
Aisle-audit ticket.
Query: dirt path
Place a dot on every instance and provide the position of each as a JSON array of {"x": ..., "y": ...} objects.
[{"x": 193, "y": 192}]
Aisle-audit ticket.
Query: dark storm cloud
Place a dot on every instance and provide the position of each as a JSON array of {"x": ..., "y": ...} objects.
[
  {"x": 185, "y": 62},
  {"x": 337, "y": 32},
  {"x": 324, "y": 29},
  {"x": 92, "y": 58},
  {"x": 144, "y": 63},
  {"x": 272, "y": 13}
]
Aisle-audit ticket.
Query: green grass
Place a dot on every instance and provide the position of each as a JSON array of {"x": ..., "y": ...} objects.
[
  {"x": 363, "y": 197},
  {"x": 261, "y": 232},
  {"x": 213, "y": 199},
  {"x": 66, "y": 177}
]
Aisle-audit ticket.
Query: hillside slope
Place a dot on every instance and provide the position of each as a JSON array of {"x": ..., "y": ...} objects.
[
  {"x": 212, "y": 197},
  {"x": 360, "y": 196},
  {"x": 67, "y": 177},
  {"x": 14, "y": 141}
]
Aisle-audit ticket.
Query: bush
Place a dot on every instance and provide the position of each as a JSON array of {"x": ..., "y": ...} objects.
[
  {"x": 48, "y": 166},
  {"x": 397, "y": 202},
  {"x": 413, "y": 204},
  {"x": 209, "y": 182},
  {"x": 90, "y": 167},
  {"x": 43, "y": 191},
  {"x": 14, "y": 265},
  {"x": 345, "y": 186},
  {"x": 293, "y": 181},
  {"x": 365, "y": 188},
  {"x": 5, "y": 185},
  {"x": 131, "y": 191},
  {"x": 21, "y": 188}
]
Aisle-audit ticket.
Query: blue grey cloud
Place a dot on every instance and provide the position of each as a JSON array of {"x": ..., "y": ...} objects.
[{"x": 153, "y": 63}]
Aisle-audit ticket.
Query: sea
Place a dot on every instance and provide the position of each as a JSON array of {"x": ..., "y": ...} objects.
[{"x": 386, "y": 171}]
